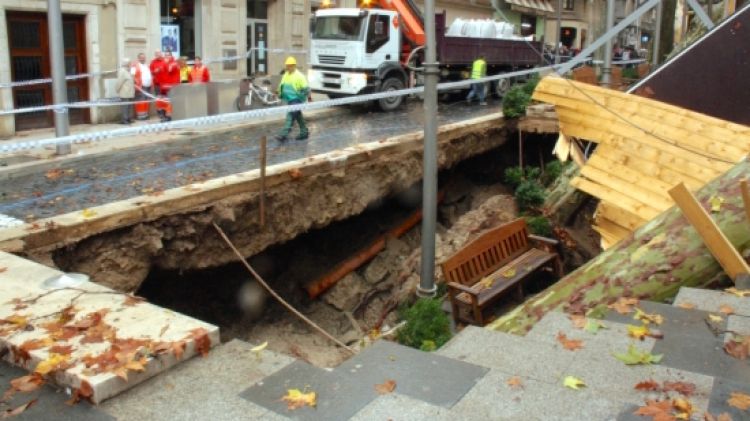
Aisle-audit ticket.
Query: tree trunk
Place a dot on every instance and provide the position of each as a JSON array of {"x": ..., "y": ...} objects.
[
  {"x": 653, "y": 263},
  {"x": 666, "y": 40}
]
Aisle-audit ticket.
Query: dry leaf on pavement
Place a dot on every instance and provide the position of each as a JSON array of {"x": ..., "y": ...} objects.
[
  {"x": 579, "y": 321},
  {"x": 296, "y": 399},
  {"x": 515, "y": 382},
  {"x": 657, "y": 410},
  {"x": 17, "y": 410},
  {"x": 569, "y": 344},
  {"x": 683, "y": 388},
  {"x": 624, "y": 305},
  {"x": 739, "y": 400},
  {"x": 573, "y": 382},
  {"x": 686, "y": 305},
  {"x": 715, "y": 318},
  {"x": 648, "y": 386},
  {"x": 738, "y": 347},
  {"x": 28, "y": 383},
  {"x": 738, "y": 292},
  {"x": 723, "y": 417},
  {"x": 726, "y": 309},
  {"x": 385, "y": 388}
]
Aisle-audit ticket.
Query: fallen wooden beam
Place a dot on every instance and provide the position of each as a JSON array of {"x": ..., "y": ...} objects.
[{"x": 727, "y": 256}]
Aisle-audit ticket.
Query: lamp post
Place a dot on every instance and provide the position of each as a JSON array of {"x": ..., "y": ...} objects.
[
  {"x": 57, "y": 64},
  {"x": 427, "y": 286}
]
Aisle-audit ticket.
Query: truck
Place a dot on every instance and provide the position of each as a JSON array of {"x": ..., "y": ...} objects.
[{"x": 379, "y": 47}]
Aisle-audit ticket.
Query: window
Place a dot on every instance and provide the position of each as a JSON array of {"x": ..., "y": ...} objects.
[
  {"x": 528, "y": 25},
  {"x": 378, "y": 32},
  {"x": 569, "y": 5},
  {"x": 338, "y": 27},
  {"x": 257, "y": 9}
]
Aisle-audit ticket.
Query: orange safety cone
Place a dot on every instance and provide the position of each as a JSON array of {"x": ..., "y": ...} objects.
[
  {"x": 164, "y": 108},
  {"x": 141, "y": 110}
]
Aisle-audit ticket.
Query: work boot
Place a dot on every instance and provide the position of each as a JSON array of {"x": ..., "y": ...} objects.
[
  {"x": 302, "y": 137},
  {"x": 483, "y": 103},
  {"x": 281, "y": 138}
]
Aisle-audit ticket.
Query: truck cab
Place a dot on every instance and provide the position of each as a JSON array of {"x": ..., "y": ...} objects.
[{"x": 356, "y": 51}]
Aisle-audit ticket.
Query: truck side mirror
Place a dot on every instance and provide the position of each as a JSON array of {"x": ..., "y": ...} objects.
[{"x": 313, "y": 20}]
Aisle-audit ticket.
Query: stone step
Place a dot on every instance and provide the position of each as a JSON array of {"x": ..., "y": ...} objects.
[
  {"x": 33, "y": 296},
  {"x": 203, "y": 388},
  {"x": 712, "y": 300},
  {"x": 511, "y": 354}
]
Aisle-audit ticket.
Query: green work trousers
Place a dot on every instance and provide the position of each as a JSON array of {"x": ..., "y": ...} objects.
[{"x": 290, "y": 119}]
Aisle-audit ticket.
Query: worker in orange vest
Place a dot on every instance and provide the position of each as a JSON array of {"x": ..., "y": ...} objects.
[{"x": 199, "y": 74}]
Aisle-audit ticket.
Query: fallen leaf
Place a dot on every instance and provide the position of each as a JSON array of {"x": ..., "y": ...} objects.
[
  {"x": 624, "y": 305},
  {"x": 683, "y": 388},
  {"x": 61, "y": 349},
  {"x": 726, "y": 309},
  {"x": 202, "y": 341},
  {"x": 722, "y": 417},
  {"x": 296, "y": 399},
  {"x": 132, "y": 300},
  {"x": 515, "y": 382},
  {"x": 573, "y": 383},
  {"x": 686, "y": 305},
  {"x": 738, "y": 292},
  {"x": 648, "y": 318},
  {"x": 638, "y": 332},
  {"x": 593, "y": 326},
  {"x": 54, "y": 174},
  {"x": 52, "y": 363},
  {"x": 579, "y": 321},
  {"x": 738, "y": 347},
  {"x": 716, "y": 202},
  {"x": 635, "y": 356},
  {"x": 88, "y": 213},
  {"x": 648, "y": 386},
  {"x": 715, "y": 318},
  {"x": 84, "y": 391},
  {"x": 658, "y": 410},
  {"x": 509, "y": 273},
  {"x": 683, "y": 407},
  {"x": 3, "y": 269},
  {"x": 19, "y": 409},
  {"x": 28, "y": 383},
  {"x": 739, "y": 400},
  {"x": 258, "y": 349},
  {"x": 385, "y": 388},
  {"x": 487, "y": 282},
  {"x": 569, "y": 344}
]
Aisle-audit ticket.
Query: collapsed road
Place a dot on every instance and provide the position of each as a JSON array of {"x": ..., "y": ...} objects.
[{"x": 353, "y": 161}]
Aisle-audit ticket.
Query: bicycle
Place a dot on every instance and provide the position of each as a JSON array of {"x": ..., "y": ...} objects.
[{"x": 253, "y": 96}]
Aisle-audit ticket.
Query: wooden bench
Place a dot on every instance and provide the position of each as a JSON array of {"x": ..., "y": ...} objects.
[{"x": 501, "y": 258}]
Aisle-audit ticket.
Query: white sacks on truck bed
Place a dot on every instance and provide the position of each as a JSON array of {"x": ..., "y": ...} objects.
[{"x": 481, "y": 28}]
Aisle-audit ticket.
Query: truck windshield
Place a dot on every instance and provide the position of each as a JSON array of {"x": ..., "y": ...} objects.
[{"x": 338, "y": 27}]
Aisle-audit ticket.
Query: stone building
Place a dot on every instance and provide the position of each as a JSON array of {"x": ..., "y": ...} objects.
[{"x": 97, "y": 33}]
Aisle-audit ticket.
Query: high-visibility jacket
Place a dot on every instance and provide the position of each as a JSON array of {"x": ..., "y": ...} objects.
[
  {"x": 479, "y": 69},
  {"x": 200, "y": 74},
  {"x": 293, "y": 87},
  {"x": 137, "y": 78}
]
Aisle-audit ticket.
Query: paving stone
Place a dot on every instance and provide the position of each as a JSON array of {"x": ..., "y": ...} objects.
[
  {"x": 613, "y": 338},
  {"x": 739, "y": 324},
  {"x": 203, "y": 388},
  {"x": 711, "y": 300},
  {"x": 403, "y": 408},
  {"x": 143, "y": 321},
  {"x": 494, "y": 399},
  {"x": 722, "y": 391},
  {"x": 512, "y": 354},
  {"x": 50, "y": 404},
  {"x": 422, "y": 375}
]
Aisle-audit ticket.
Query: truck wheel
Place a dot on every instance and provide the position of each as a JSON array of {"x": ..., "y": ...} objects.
[
  {"x": 390, "y": 104},
  {"x": 502, "y": 86}
]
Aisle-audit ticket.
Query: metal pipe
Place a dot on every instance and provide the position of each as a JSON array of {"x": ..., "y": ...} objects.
[
  {"x": 427, "y": 286},
  {"x": 657, "y": 33},
  {"x": 559, "y": 28},
  {"x": 607, "y": 67},
  {"x": 57, "y": 63},
  {"x": 701, "y": 14}
]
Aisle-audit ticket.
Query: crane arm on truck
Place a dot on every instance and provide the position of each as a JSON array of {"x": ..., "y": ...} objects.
[{"x": 411, "y": 19}]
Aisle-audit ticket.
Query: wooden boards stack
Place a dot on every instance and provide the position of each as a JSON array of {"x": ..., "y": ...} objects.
[{"x": 645, "y": 148}]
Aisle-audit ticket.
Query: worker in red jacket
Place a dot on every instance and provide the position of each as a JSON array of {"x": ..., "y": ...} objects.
[
  {"x": 157, "y": 71},
  {"x": 199, "y": 73},
  {"x": 171, "y": 73}
]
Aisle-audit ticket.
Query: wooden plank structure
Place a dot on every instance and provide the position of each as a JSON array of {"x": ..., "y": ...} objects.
[{"x": 645, "y": 147}]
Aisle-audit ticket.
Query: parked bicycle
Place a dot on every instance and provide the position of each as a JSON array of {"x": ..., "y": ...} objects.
[{"x": 254, "y": 96}]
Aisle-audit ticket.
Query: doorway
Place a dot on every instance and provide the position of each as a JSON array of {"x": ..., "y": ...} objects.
[
  {"x": 257, "y": 38},
  {"x": 28, "y": 40}
]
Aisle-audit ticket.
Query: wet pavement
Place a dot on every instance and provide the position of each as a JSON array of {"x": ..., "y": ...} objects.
[{"x": 124, "y": 174}]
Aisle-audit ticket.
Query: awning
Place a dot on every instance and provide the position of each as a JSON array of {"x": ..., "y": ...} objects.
[{"x": 542, "y": 6}]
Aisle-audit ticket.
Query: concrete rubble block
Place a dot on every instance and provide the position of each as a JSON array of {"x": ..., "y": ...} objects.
[
  {"x": 494, "y": 399},
  {"x": 399, "y": 407},
  {"x": 712, "y": 301},
  {"x": 31, "y": 295},
  {"x": 739, "y": 325},
  {"x": 378, "y": 268},
  {"x": 203, "y": 388},
  {"x": 347, "y": 292},
  {"x": 511, "y": 354}
]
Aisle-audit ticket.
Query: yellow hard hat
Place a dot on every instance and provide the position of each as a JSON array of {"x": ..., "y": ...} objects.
[{"x": 290, "y": 61}]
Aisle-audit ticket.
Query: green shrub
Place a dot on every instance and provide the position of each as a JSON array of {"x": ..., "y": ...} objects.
[
  {"x": 630, "y": 73},
  {"x": 515, "y": 102},
  {"x": 529, "y": 195},
  {"x": 427, "y": 326},
  {"x": 539, "y": 225},
  {"x": 514, "y": 176},
  {"x": 552, "y": 172},
  {"x": 530, "y": 85}
]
